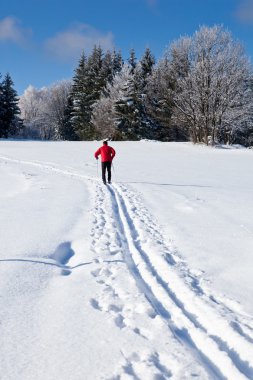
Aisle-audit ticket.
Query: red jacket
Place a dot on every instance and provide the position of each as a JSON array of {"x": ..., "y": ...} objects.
[{"x": 107, "y": 153}]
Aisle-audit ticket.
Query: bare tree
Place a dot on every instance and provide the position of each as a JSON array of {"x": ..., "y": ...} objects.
[
  {"x": 210, "y": 71},
  {"x": 56, "y": 104},
  {"x": 43, "y": 110},
  {"x": 30, "y": 104}
]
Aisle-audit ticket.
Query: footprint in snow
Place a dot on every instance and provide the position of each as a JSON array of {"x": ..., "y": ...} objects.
[
  {"x": 115, "y": 308},
  {"x": 95, "y": 304},
  {"x": 119, "y": 321}
]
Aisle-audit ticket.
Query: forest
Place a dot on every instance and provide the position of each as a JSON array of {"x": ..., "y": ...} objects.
[{"x": 201, "y": 90}]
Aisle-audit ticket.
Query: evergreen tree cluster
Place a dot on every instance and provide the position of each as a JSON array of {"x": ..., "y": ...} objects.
[
  {"x": 91, "y": 76},
  {"x": 201, "y": 90},
  {"x": 10, "y": 122},
  {"x": 94, "y": 79}
]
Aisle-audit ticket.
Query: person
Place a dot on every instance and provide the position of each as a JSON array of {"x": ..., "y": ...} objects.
[{"x": 107, "y": 154}]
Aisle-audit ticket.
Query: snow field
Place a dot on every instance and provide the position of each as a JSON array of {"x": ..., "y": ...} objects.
[
  {"x": 58, "y": 330},
  {"x": 91, "y": 285}
]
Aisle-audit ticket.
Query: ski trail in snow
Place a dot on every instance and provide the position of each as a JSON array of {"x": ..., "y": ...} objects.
[
  {"x": 49, "y": 168},
  {"x": 219, "y": 338},
  {"x": 128, "y": 307},
  {"x": 191, "y": 316}
]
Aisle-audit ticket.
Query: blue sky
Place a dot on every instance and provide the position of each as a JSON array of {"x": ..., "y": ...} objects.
[{"x": 41, "y": 41}]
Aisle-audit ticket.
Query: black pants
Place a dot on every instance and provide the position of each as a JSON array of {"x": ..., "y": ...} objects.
[{"x": 106, "y": 166}]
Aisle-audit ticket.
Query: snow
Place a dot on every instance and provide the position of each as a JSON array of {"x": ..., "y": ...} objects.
[{"x": 149, "y": 278}]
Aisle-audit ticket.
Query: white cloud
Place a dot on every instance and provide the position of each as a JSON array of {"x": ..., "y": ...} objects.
[
  {"x": 244, "y": 12},
  {"x": 69, "y": 44},
  {"x": 11, "y": 31}
]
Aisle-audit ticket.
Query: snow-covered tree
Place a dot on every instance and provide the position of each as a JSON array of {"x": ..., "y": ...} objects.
[
  {"x": 127, "y": 108},
  {"x": 56, "y": 105},
  {"x": 159, "y": 103},
  {"x": 104, "y": 116},
  {"x": 43, "y": 110},
  {"x": 29, "y": 104},
  {"x": 32, "y": 104},
  {"x": 118, "y": 113},
  {"x": 10, "y": 122},
  {"x": 210, "y": 70}
]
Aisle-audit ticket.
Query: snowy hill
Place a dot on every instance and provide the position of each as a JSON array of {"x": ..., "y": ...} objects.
[{"x": 149, "y": 278}]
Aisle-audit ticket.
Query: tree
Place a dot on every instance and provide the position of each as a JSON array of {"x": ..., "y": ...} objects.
[
  {"x": 43, "y": 110},
  {"x": 147, "y": 63},
  {"x": 210, "y": 71},
  {"x": 159, "y": 103},
  {"x": 112, "y": 64},
  {"x": 120, "y": 111},
  {"x": 10, "y": 122},
  {"x": 80, "y": 115},
  {"x": 117, "y": 62},
  {"x": 107, "y": 71},
  {"x": 56, "y": 106},
  {"x": 128, "y": 109},
  {"x": 66, "y": 130},
  {"x": 104, "y": 115},
  {"x": 31, "y": 104},
  {"x": 132, "y": 61}
]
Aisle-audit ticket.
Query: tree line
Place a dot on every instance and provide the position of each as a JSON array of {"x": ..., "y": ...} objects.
[{"x": 200, "y": 90}]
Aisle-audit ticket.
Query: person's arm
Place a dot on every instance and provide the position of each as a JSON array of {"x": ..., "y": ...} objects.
[
  {"x": 112, "y": 153},
  {"x": 97, "y": 153}
]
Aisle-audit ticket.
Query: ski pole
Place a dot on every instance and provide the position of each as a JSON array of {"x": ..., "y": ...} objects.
[
  {"x": 97, "y": 167},
  {"x": 114, "y": 172}
]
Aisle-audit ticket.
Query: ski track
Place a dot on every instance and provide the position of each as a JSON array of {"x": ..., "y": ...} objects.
[
  {"x": 191, "y": 316},
  {"x": 217, "y": 335}
]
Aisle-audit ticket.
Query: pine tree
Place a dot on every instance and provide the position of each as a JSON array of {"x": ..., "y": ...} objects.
[
  {"x": 132, "y": 61},
  {"x": 117, "y": 62},
  {"x": 112, "y": 64},
  {"x": 107, "y": 68},
  {"x": 147, "y": 62},
  {"x": 95, "y": 74},
  {"x": 10, "y": 122},
  {"x": 127, "y": 107},
  {"x": 141, "y": 73},
  {"x": 66, "y": 130},
  {"x": 80, "y": 115},
  {"x": 144, "y": 70},
  {"x": 127, "y": 114}
]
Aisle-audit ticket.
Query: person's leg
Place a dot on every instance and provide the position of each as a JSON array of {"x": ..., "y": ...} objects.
[
  {"x": 109, "y": 165},
  {"x": 103, "y": 171}
]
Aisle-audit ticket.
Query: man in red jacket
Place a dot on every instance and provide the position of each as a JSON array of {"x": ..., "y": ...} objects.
[{"x": 107, "y": 153}]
